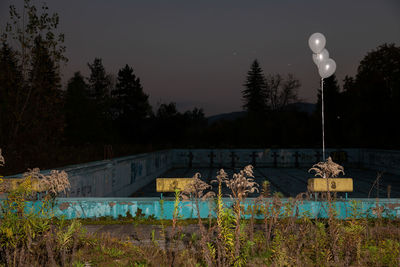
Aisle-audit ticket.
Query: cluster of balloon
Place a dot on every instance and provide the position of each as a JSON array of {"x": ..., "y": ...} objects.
[{"x": 326, "y": 66}]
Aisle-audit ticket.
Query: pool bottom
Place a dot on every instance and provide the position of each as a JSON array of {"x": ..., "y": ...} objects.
[{"x": 288, "y": 181}]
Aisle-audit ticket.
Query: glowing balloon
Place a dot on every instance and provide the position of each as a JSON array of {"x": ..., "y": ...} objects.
[
  {"x": 321, "y": 57},
  {"x": 327, "y": 68},
  {"x": 317, "y": 42}
]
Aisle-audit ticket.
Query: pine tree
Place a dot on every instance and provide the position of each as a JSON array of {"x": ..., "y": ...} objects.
[
  {"x": 131, "y": 103},
  {"x": 100, "y": 85},
  {"x": 78, "y": 111},
  {"x": 99, "y": 81},
  {"x": 44, "y": 119},
  {"x": 254, "y": 96}
]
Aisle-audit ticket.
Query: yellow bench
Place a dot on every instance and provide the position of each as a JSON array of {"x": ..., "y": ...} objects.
[
  {"x": 330, "y": 184},
  {"x": 170, "y": 184},
  {"x": 12, "y": 183}
]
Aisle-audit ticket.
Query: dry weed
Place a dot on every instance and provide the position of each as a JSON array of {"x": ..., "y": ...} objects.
[
  {"x": 222, "y": 177},
  {"x": 242, "y": 183},
  {"x": 54, "y": 183},
  {"x": 327, "y": 169},
  {"x": 196, "y": 189},
  {"x": 2, "y": 162}
]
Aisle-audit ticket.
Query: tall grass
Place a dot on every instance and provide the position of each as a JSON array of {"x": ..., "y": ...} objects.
[
  {"x": 286, "y": 237},
  {"x": 269, "y": 232},
  {"x": 32, "y": 235}
]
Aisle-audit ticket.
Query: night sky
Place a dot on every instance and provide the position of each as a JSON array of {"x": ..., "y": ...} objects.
[{"x": 197, "y": 53}]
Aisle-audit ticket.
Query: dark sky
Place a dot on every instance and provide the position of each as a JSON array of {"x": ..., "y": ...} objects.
[{"x": 197, "y": 53}]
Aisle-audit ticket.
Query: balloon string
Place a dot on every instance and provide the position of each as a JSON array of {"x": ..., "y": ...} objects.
[{"x": 323, "y": 120}]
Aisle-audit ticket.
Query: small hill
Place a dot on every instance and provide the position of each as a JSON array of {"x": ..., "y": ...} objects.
[
  {"x": 226, "y": 116},
  {"x": 308, "y": 108}
]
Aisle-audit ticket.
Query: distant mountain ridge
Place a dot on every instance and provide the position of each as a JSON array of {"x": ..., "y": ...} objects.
[
  {"x": 308, "y": 108},
  {"x": 226, "y": 116}
]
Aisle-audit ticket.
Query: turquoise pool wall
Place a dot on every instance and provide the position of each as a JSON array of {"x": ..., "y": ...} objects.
[{"x": 115, "y": 207}]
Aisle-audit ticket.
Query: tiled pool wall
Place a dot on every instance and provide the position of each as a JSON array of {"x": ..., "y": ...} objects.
[
  {"x": 121, "y": 177},
  {"x": 287, "y": 158},
  {"x": 373, "y": 159},
  {"x": 381, "y": 160}
]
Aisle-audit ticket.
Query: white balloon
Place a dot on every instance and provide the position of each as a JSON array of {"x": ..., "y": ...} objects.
[
  {"x": 317, "y": 42},
  {"x": 327, "y": 68},
  {"x": 320, "y": 57}
]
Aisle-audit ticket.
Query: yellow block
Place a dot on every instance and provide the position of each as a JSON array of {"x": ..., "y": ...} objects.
[
  {"x": 335, "y": 184},
  {"x": 170, "y": 184},
  {"x": 12, "y": 183}
]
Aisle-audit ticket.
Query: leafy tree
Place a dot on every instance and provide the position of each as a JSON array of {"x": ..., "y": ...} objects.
[
  {"x": 168, "y": 124},
  {"x": 372, "y": 98},
  {"x": 167, "y": 111},
  {"x": 26, "y": 30},
  {"x": 195, "y": 124},
  {"x": 195, "y": 115},
  {"x": 254, "y": 95},
  {"x": 280, "y": 92},
  {"x": 23, "y": 29}
]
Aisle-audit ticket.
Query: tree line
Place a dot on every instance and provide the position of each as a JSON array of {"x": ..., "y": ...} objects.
[
  {"x": 95, "y": 117},
  {"x": 363, "y": 113}
]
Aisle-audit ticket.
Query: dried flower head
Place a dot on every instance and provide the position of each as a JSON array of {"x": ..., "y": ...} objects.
[
  {"x": 54, "y": 183},
  {"x": 57, "y": 182},
  {"x": 196, "y": 189},
  {"x": 266, "y": 190},
  {"x": 327, "y": 169},
  {"x": 1, "y": 159},
  {"x": 222, "y": 176},
  {"x": 242, "y": 183},
  {"x": 33, "y": 174}
]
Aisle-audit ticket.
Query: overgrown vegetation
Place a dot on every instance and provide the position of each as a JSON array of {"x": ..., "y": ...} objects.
[{"x": 33, "y": 236}]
